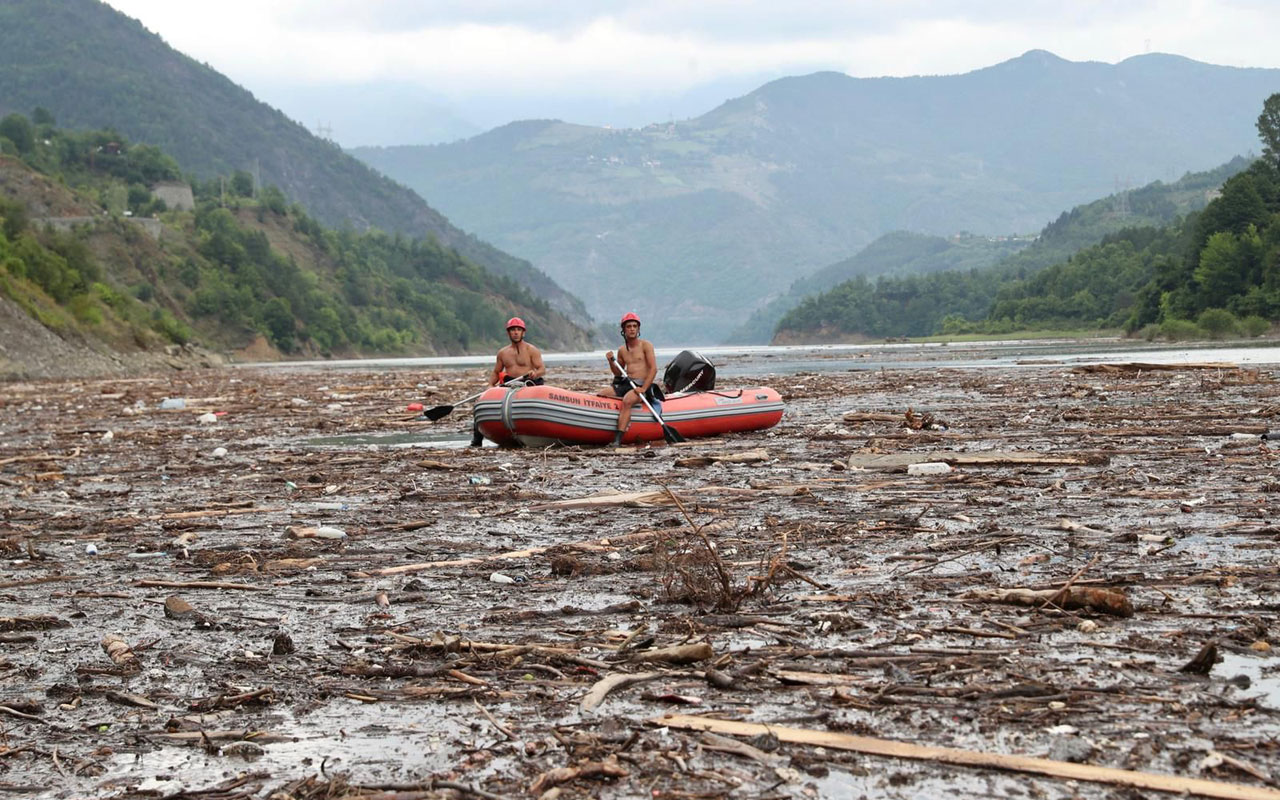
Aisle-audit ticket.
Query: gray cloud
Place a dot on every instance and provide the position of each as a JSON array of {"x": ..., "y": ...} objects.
[{"x": 635, "y": 61}]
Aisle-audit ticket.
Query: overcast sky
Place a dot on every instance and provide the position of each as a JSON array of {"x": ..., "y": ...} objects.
[{"x": 476, "y": 64}]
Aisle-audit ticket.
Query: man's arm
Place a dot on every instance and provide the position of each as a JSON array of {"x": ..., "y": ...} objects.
[
  {"x": 496, "y": 375},
  {"x": 535, "y": 359},
  {"x": 613, "y": 364},
  {"x": 652, "y": 372}
]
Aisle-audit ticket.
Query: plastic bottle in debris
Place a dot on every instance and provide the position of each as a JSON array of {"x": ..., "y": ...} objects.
[{"x": 170, "y": 403}]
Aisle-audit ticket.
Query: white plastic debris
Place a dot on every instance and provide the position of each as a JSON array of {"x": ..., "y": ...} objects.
[
  {"x": 929, "y": 468},
  {"x": 91, "y": 549},
  {"x": 322, "y": 532},
  {"x": 219, "y": 452},
  {"x": 208, "y": 418},
  {"x": 498, "y": 577},
  {"x": 108, "y": 436}
]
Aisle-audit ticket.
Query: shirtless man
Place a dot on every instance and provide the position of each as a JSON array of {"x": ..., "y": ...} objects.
[
  {"x": 517, "y": 360},
  {"x": 637, "y": 358}
]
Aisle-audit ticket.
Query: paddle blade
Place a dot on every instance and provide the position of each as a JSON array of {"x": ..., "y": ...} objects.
[
  {"x": 671, "y": 435},
  {"x": 439, "y": 412}
]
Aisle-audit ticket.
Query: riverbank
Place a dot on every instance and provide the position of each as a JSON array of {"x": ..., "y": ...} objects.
[{"x": 243, "y": 604}]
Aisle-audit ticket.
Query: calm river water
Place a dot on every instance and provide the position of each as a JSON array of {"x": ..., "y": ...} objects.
[{"x": 762, "y": 360}]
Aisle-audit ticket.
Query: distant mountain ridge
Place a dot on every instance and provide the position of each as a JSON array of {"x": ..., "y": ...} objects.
[
  {"x": 94, "y": 67},
  {"x": 900, "y": 253},
  {"x": 895, "y": 253},
  {"x": 695, "y": 224},
  {"x": 919, "y": 304}
]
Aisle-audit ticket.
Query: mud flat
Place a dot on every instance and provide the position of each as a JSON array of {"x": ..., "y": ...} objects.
[{"x": 1076, "y": 598}]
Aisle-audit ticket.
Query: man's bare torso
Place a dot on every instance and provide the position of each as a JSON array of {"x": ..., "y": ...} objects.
[
  {"x": 636, "y": 359},
  {"x": 517, "y": 362}
]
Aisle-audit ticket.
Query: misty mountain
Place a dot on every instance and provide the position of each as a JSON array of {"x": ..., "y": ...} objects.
[
  {"x": 900, "y": 253},
  {"x": 695, "y": 224},
  {"x": 93, "y": 67},
  {"x": 895, "y": 253},
  {"x": 375, "y": 114},
  {"x": 925, "y": 303}
]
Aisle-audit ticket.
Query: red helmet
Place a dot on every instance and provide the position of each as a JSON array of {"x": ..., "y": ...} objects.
[
  {"x": 630, "y": 316},
  {"x": 516, "y": 322}
]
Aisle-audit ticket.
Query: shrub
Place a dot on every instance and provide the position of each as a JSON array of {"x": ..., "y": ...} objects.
[
  {"x": 1149, "y": 331},
  {"x": 108, "y": 296},
  {"x": 170, "y": 327},
  {"x": 1254, "y": 326},
  {"x": 1177, "y": 330},
  {"x": 1219, "y": 323},
  {"x": 85, "y": 310},
  {"x": 13, "y": 218}
]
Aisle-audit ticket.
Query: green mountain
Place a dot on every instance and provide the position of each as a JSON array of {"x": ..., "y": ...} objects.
[
  {"x": 697, "y": 223},
  {"x": 920, "y": 305},
  {"x": 88, "y": 250},
  {"x": 1212, "y": 274},
  {"x": 896, "y": 253},
  {"x": 93, "y": 67}
]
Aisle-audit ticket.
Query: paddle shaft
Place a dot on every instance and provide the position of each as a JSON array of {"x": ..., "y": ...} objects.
[
  {"x": 441, "y": 411},
  {"x": 668, "y": 432}
]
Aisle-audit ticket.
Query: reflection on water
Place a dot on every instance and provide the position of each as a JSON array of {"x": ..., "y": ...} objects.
[
  {"x": 1263, "y": 684},
  {"x": 763, "y": 359}
]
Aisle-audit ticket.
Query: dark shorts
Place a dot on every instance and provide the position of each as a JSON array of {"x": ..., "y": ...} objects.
[
  {"x": 623, "y": 385},
  {"x": 531, "y": 382}
]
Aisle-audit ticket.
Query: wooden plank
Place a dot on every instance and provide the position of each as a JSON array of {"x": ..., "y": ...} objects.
[
  {"x": 1138, "y": 366},
  {"x": 889, "y": 462},
  {"x": 973, "y": 758}
]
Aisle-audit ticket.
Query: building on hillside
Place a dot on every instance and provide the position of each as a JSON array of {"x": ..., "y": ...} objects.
[{"x": 175, "y": 194}]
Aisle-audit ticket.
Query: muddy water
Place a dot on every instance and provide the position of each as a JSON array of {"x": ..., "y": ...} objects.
[{"x": 840, "y": 597}]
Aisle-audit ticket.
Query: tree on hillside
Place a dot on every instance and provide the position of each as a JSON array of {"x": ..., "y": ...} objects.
[
  {"x": 17, "y": 129},
  {"x": 242, "y": 183},
  {"x": 1240, "y": 206},
  {"x": 1225, "y": 266},
  {"x": 1269, "y": 128}
]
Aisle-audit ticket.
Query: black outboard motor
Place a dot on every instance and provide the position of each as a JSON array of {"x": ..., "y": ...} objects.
[{"x": 689, "y": 371}]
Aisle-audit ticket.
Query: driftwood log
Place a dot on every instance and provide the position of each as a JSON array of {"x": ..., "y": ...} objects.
[{"x": 1103, "y": 601}]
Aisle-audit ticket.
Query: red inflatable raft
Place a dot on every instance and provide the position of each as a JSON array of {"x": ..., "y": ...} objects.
[{"x": 542, "y": 415}]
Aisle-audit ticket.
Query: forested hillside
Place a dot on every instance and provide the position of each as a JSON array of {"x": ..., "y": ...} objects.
[
  {"x": 1214, "y": 273},
  {"x": 79, "y": 252},
  {"x": 895, "y": 254},
  {"x": 962, "y": 300},
  {"x": 705, "y": 220},
  {"x": 94, "y": 68}
]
